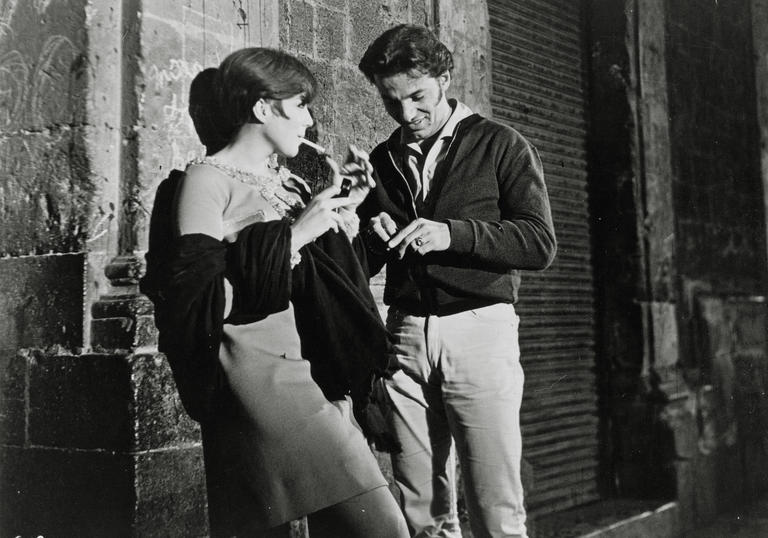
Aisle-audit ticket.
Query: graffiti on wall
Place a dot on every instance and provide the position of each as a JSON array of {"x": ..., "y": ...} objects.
[
  {"x": 180, "y": 43},
  {"x": 43, "y": 169}
]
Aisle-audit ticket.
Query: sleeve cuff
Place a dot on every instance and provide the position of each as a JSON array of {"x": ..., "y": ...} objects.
[{"x": 462, "y": 236}]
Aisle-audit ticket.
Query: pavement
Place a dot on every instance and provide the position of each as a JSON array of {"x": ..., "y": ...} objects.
[{"x": 749, "y": 522}]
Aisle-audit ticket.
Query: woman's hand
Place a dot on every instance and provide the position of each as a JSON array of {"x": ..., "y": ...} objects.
[
  {"x": 317, "y": 218},
  {"x": 357, "y": 169}
]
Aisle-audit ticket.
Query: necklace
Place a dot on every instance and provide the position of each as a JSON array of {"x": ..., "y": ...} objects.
[{"x": 271, "y": 186}]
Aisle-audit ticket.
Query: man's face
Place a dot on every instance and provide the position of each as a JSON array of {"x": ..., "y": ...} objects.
[{"x": 416, "y": 101}]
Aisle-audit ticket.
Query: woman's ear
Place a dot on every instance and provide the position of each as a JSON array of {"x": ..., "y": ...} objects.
[{"x": 262, "y": 110}]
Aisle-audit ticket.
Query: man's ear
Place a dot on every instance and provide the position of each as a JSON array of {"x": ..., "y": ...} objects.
[
  {"x": 262, "y": 110},
  {"x": 444, "y": 80}
]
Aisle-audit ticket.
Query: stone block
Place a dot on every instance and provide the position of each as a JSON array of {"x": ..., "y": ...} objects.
[
  {"x": 47, "y": 492},
  {"x": 325, "y": 103},
  {"x": 83, "y": 402},
  {"x": 704, "y": 483},
  {"x": 41, "y": 301},
  {"x": 284, "y": 17},
  {"x": 685, "y": 493},
  {"x": 166, "y": 135},
  {"x": 97, "y": 493},
  {"x": 680, "y": 416},
  {"x": 301, "y": 28},
  {"x": 364, "y": 120},
  {"x": 713, "y": 125},
  {"x": 331, "y": 34},
  {"x": 161, "y": 421},
  {"x": 195, "y": 13},
  {"x": 12, "y": 415},
  {"x": 170, "y": 494},
  {"x": 339, "y": 5},
  {"x": 46, "y": 191},
  {"x": 369, "y": 19},
  {"x": 13, "y": 386},
  {"x": 421, "y": 12},
  {"x": 123, "y": 333},
  {"x": 47, "y": 73}
]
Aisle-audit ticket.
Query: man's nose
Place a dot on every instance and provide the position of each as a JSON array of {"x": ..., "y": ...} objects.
[{"x": 408, "y": 112}]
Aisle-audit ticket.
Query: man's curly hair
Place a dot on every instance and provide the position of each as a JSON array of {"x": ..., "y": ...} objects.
[{"x": 405, "y": 48}]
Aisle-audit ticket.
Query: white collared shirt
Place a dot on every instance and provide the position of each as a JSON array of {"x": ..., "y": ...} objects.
[{"x": 421, "y": 176}]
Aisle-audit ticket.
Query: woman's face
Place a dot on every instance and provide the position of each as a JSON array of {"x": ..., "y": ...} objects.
[{"x": 284, "y": 128}]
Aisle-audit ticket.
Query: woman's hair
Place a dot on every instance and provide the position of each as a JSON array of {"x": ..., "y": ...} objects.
[
  {"x": 404, "y": 48},
  {"x": 221, "y": 99}
]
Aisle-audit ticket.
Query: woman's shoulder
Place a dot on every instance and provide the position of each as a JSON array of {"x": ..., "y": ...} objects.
[
  {"x": 201, "y": 180},
  {"x": 203, "y": 176}
]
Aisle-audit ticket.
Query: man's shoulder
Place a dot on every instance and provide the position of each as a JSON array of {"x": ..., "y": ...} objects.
[
  {"x": 481, "y": 126},
  {"x": 381, "y": 149}
]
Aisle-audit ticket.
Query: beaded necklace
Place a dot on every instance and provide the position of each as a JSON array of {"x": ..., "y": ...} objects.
[{"x": 272, "y": 186}]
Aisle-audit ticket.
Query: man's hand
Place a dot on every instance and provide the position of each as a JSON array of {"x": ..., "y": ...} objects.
[
  {"x": 422, "y": 236},
  {"x": 383, "y": 226}
]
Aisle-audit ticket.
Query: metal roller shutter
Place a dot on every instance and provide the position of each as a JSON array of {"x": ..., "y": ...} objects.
[{"x": 538, "y": 89}]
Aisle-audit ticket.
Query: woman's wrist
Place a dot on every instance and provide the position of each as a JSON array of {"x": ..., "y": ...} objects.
[
  {"x": 296, "y": 243},
  {"x": 351, "y": 222}
]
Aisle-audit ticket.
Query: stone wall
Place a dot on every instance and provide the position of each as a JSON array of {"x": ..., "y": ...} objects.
[
  {"x": 93, "y": 440},
  {"x": 713, "y": 110},
  {"x": 677, "y": 192}
]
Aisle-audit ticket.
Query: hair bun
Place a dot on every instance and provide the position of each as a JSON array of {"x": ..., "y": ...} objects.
[{"x": 205, "y": 113}]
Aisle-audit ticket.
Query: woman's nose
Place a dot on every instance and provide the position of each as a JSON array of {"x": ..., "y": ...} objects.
[{"x": 309, "y": 120}]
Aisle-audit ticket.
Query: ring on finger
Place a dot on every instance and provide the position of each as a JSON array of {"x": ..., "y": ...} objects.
[{"x": 418, "y": 241}]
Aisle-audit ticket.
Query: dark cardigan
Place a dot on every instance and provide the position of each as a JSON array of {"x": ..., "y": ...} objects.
[
  {"x": 341, "y": 332},
  {"x": 490, "y": 191}
]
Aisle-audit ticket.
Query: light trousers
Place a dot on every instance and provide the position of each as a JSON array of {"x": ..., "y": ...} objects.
[{"x": 459, "y": 390}]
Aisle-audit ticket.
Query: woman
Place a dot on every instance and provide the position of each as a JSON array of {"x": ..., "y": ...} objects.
[{"x": 244, "y": 291}]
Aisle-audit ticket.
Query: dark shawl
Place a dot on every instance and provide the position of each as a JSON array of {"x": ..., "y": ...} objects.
[{"x": 341, "y": 331}]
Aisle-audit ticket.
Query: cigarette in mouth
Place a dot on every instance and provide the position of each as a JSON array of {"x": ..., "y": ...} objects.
[{"x": 317, "y": 147}]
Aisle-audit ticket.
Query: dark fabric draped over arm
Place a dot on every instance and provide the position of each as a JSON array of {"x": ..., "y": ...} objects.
[
  {"x": 185, "y": 282},
  {"x": 342, "y": 333},
  {"x": 258, "y": 266}
]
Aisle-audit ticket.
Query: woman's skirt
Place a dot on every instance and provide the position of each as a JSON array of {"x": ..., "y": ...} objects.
[{"x": 278, "y": 450}]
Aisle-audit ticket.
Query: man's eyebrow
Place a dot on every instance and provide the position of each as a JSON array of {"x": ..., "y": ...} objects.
[{"x": 410, "y": 95}]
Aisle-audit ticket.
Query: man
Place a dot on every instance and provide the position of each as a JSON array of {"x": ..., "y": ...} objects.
[{"x": 459, "y": 208}]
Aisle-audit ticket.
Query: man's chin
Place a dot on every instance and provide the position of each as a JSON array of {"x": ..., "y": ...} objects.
[{"x": 415, "y": 136}]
